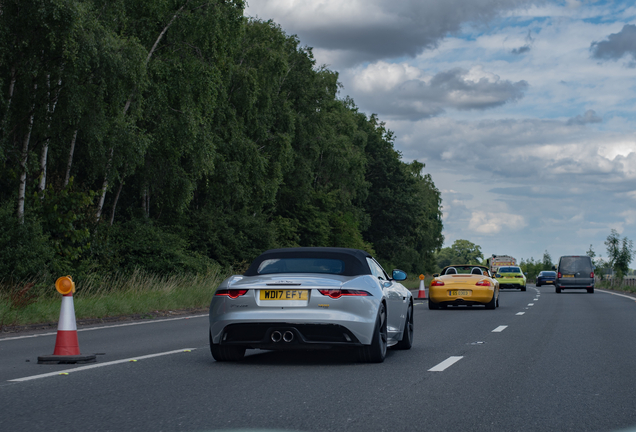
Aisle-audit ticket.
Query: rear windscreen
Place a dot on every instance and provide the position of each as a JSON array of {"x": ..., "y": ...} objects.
[
  {"x": 573, "y": 265},
  {"x": 302, "y": 265},
  {"x": 548, "y": 274},
  {"x": 509, "y": 270}
]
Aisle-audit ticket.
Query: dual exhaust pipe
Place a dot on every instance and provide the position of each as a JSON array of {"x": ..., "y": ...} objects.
[{"x": 277, "y": 336}]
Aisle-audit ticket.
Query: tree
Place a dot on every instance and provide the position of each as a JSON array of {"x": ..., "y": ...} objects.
[
  {"x": 461, "y": 252},
  {"x": 592, "y": 255},
  {"x": 620, "y": 253},
  {"x": 547, "y": 261}
]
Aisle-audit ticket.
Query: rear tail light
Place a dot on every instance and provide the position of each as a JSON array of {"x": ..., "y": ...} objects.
[
  {"x": 559, "y": 275},
  {"x": 437, "y": 283},
  {"x": 483, "y": 283},
  {"x": 231, "y": 293},
  {"x": 519, "y": 276},
  {"x": 336, "y": 293},
  {"x": 592, "y": 275}
]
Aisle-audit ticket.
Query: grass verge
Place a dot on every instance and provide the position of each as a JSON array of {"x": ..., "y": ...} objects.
[{"x": 98, "y": 297}]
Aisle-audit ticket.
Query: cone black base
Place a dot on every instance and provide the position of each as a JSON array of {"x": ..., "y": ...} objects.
[{"x": 67, "y": 359}]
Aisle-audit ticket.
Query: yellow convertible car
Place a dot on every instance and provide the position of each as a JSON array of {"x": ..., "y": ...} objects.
[{"x": 464, "y": 285}]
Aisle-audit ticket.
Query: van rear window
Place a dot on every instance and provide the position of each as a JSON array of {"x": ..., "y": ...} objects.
[{"x": 572, "y": 265}]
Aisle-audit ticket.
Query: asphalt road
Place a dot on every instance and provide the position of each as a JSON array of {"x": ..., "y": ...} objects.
[{"x": 563, "y": 362}]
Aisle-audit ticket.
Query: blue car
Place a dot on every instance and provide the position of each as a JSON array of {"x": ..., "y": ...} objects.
[{"x": 546, "y": 278}]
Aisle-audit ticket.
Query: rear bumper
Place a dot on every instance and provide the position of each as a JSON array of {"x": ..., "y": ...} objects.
[
  {"x": 580, "y": 284},
  {"x": 285, "y": 336},
  {"x": 511, "y": 283},
  {"x": 478, "y": 295}
]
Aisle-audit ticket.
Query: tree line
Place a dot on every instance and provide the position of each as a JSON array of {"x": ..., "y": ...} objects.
[{"x": 176, "y": 135}]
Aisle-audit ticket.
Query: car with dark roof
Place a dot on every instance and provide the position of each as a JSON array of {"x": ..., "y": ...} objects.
[
  {"x": 312, "y": 298},
  {"x": 546, "y": 277},
  {"x": 511, "y": 277}
]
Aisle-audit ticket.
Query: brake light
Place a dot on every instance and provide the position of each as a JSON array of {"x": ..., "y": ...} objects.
[
  {"x": 559, "y": 275},
  {"x": 337, "y": 293},
  {"x": 592, "y": 275},
  {"x": 437, "y": 283},
  {"x": 483, "y": 283},
  {"x": 232, "y": 293}
]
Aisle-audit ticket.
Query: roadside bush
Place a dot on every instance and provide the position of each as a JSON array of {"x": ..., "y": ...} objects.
[
  {"x": 139, "y": 244},
  {"x": 25, "y": 251}
]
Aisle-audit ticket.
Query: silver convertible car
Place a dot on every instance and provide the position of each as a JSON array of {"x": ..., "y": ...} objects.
[{"x": 312, "y": 298}]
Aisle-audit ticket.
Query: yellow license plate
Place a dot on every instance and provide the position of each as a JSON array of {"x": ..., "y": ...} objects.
[
  {"x": 459, "y": 293},
  {"x": 568, "y": 275},
  {"x": 549, "y": 282},
  {"x": 284, "y": 294}
]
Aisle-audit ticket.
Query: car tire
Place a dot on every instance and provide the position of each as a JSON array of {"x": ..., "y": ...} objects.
[
  {"x": 497, "y": 301},
  {"x": 407, "y": 335},
  {"x": 223, "y": 353},
  {"x": 523, "y": 288},
  {"x": 492, "y": 304},
  {"x": 432, "y": 305},
  {"x": 558, "y": 290},
  {"x": 590, "y": 290},
  {"x": 376, "y": 352},
  {"x": 538, "y": 284}
]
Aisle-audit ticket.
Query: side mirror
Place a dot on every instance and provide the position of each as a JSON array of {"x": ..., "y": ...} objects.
[
  {"x": 435, "y": 275},
  {"x": 526, "y": 273},
  {"x": 399, "y": 275},
  {"x": 497, "y": 275},
  {"x": 554, "y": 268}
]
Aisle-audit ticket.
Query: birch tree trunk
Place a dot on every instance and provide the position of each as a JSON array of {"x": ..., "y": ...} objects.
[
  {"x": 49, "y": 118},
  {"x": 9, "y": 99},
  {"x": 23, "y": 162},
  {"x": 126, "y": 107},
  {"x": 70, "y": 159},
  {"x": 112, "y": 213}
]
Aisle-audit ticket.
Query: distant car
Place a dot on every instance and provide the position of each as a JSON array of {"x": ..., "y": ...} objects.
[
  {"x": 511, "y": 277},
  {"x": 546, "y": 278},
  {"x": 464, "y": 285},
  {"x": 575, "y": 272},
  {"x": 312, "y": 298}
]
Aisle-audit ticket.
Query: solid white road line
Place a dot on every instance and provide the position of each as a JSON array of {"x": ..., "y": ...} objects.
[
  {"x": 520, "y": 313},
  {"x": 620, "y": 295},
  {"x": 445, "y": 364},
  {"x": 97, "y": 365},
  {"x": 106, "y": 327},
  {"x": 499, "y": 329}
]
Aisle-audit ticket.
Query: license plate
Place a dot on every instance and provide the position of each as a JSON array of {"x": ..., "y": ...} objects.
[
  {"x": 549, "y": 282},
  {"x": 459, "y": 293},
  {"x": 568, "y": 275},
  {"x": 284, "y": 294}
]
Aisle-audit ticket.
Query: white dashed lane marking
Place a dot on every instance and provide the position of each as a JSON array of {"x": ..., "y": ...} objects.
[
  {"x": 499, "y": 329},
  {"x": 446, "y": 364},
  {"x": 520, "y": 313},
  {"x": 530, "y": 304}
]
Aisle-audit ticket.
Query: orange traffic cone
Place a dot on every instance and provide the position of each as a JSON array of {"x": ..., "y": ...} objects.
[
  {"x": 421, "y": 294},
  {"x": 66, "y": 343}
]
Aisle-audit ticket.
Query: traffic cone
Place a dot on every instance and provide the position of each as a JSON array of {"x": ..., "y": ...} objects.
[
  {"x": 66, "y": 343},
  {"x": 421, "y": 294}
]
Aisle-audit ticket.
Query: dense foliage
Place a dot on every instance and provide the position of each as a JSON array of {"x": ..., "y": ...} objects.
[
  {"x": 175, "y": 135},
  {"x": 532, "y": 268},
  {"x": 461, "y": 252}
]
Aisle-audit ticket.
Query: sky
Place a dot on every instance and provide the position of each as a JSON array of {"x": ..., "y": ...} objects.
[{"x": 523, "y": 112}]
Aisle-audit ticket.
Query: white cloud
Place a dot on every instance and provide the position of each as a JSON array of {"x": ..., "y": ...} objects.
[{"x": 493, "y": 223}]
